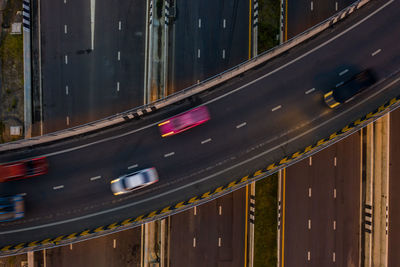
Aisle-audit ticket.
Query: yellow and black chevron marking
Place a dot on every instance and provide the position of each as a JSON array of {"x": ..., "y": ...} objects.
[{"x": 259, "y": 173}]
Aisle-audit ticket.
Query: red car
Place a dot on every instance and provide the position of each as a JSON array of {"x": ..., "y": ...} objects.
[
  {"x": 23, "y": 169},
  {"x": 184, "y": 121}
]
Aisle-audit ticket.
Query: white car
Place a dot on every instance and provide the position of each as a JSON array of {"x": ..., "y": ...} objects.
[{"x": 134, "y": 181}]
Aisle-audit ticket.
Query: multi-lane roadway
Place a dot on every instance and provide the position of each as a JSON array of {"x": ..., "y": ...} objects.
[
  {"x": 257, "y": 119},
  {"x": 92, "y": 60}
]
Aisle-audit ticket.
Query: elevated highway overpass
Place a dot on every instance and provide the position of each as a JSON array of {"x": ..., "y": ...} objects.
[{"x": 262, "y": 120}]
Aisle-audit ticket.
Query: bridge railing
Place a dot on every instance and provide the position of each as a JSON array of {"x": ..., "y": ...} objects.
[{"x": 185, "y": 93}]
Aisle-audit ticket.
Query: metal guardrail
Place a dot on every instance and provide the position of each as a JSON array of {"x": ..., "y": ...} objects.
[{"x": 185, "y": 93}]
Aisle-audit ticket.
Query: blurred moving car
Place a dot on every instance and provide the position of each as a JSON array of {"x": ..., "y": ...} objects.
[
  {"x": 184, "y": 121},
  {"x": 23, "y": 169},
  {"x": 11, "y": 208},
  {"x": 350, "y": 88},
  {"x": 134, "y": 181}
]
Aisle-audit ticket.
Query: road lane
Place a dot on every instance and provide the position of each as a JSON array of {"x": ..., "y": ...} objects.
[
  {"x": 394, "y": 188},
  {"x": 322, "y": 207},
  {"x": 212, "y": 234}
]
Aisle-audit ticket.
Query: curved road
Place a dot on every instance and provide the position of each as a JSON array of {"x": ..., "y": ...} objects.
[{"x": 257, "y": 119}]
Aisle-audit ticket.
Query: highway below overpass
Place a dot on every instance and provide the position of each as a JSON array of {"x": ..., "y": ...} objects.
[{"x": 257, "y": 119}]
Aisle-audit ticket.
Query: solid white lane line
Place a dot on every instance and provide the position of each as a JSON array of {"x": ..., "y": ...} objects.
[
  {"x": 199, "y": 23},
  {"x": 224, "y": 23},
  {"x": 220, "y": 210},
  {"x": 119, "y": 25},
  {"x": 223, "y": 53},
  {"x": 58, "y": 187},
  {"x": 206, "y": 141},
  {"x": 198, "y": 53},
  {"x": 114, "y": 243},
  {"x": 376, "y": 52},
  {"x": 310, "y": 91},
  {"x": 132, "y": 166},
  {"x": 343, "y": 72},
  {"x": 194, "y": 242},
  {"x": 334, "y": 225},
  {"x": 334, "y": 193},
  {"x": 117, "y": 86},
  {"x": 95, "y": 178},
  {"x": 334, "y": 257},
  {"x": 309, "y": 224},
  {"x": 309, "y": 192},
  {"x": 339, "y": 84},
  {"x": 65, "y": 29},
  {"x": 169, "y": 154},
  {"x": 310, "y": 161},
  {"x": 276, "y": 108},
  {"x": 92, "y": 16},
  {"x": 67, "y": 120},
  {"x": 308, "y": 255},
  {"x": 312, "y": 5},
  {"x": 336, "y": 6},
  {"x": 334, "y": 162},
  {"x": 241, "y": 125},
  {"x": 219, "y": 241},
  {"x": 119, "y": 55},
  {"x": 195, "y": 211},
  {"x": 66, "y": 59},
  {"x": 66, "y": 90}
]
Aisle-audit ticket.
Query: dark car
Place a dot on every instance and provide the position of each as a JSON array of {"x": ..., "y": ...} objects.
[
  {"x": 350, "y": 88},
  {"x": 11, "y": 208}
]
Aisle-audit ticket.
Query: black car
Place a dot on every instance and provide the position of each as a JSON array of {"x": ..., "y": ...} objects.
[{"x": 350, "y": 88}]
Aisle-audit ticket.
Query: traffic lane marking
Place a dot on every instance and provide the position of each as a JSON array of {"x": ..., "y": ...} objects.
[
  {"x": 206, "y": 141},
  {"x": 169, "y": 154},
  {"x": 310, "y": 91},
  {"x": 241, "y": 125},
  {"x": 276, "y": 108},
  {"x": 132, "y": 166},
  {"x": 95, "y": 178},
  {"x": 58, "y": 187},
  {"x": 376, "y": 52},
  {"x": 343, "y": 72}
]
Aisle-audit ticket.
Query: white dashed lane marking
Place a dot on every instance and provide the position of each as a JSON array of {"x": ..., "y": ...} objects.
[
  {"x": 241, "y": 125},
  {"x": 310, "y": 91},
  {"x": 199, "y": 23},
  {"x": 169, "y": 154},
  {"x": 119, "y": 25},
  {"x": 65, "y": 29},
  {"x": 376, "y": 52},
  {"x": 58, "y": 187},
  {"x": 343, "y": 72},
  {"x": 66, "y": 59},
  {"x": 206, "y": 141},
  {"x": 132, "y": 166},
  {"x": 276, "y": 108},
  {"x": 66, "y": 90},
  {"x": 95, "y": 178}
]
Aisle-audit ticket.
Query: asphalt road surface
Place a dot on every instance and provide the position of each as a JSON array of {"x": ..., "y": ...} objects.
[
  {"x": 206, "y": 38},
  {"x": 212, "y": 234},
  {"x": 394, "y": 188},
  {"x": 119, "y": 249},
  {"x": 323, "y": 207},
  {"x": 303, "y": 14},
  {"x": 258, "y": 118},
  {"x": 90, "y": 70}
]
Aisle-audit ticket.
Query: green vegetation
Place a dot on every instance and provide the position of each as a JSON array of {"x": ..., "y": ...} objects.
[
  {"x": 265, "y": 231},
  {"x": 268, "y": 24}
]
